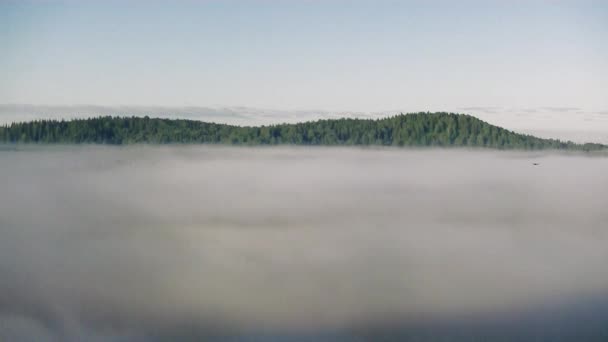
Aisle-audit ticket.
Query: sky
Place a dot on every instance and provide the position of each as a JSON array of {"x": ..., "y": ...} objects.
[{"x": 518, "y": 57}]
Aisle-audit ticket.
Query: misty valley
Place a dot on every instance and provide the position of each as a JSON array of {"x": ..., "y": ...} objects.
[
  {"x": 303, "y": 171},
  {"x": 301, "y": 244}
]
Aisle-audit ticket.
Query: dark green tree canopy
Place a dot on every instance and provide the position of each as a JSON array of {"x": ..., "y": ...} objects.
[{"x": 417, "y": 129}]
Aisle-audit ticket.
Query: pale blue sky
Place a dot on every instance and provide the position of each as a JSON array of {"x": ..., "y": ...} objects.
[{"x": 326, "y": 55}]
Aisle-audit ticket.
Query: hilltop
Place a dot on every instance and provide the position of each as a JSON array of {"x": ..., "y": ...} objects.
[{"x": 416, "y": 129}]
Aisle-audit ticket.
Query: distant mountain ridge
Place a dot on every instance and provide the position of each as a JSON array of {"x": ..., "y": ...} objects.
[{"x": 414, "y": 129}]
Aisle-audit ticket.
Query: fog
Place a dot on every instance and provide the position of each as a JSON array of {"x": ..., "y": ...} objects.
[{"x": 161, "y": 243}]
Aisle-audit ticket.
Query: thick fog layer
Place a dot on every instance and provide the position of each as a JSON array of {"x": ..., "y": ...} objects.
[{"x": 145, "y": 243}]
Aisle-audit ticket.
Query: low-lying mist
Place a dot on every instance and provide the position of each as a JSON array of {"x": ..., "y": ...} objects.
[{"x": 165, "y": 243}]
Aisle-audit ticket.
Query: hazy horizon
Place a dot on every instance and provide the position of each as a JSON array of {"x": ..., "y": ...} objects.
[{"x": 579, "y": 125}]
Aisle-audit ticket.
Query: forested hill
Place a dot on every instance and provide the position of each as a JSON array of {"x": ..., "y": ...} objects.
[{"x": 419, "y": 129}]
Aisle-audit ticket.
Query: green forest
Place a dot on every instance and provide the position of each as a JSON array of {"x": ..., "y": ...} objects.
[{"x": 416, "y": 129}]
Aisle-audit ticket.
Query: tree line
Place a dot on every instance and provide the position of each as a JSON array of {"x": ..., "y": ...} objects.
[{"x": 416, "y": 129}]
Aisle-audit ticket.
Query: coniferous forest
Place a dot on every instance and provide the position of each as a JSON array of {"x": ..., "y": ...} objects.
[{"x": 417, "y": 130}]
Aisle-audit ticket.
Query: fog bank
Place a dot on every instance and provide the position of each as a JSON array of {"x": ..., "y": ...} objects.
[{"x": 143, "y": 243}]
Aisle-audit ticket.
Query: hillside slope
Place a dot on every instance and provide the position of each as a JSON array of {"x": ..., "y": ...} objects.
[{"x": 417, "y": 129}]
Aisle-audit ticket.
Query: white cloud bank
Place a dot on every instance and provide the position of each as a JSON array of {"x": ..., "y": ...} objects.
[{"x": 144, "y": 243}]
